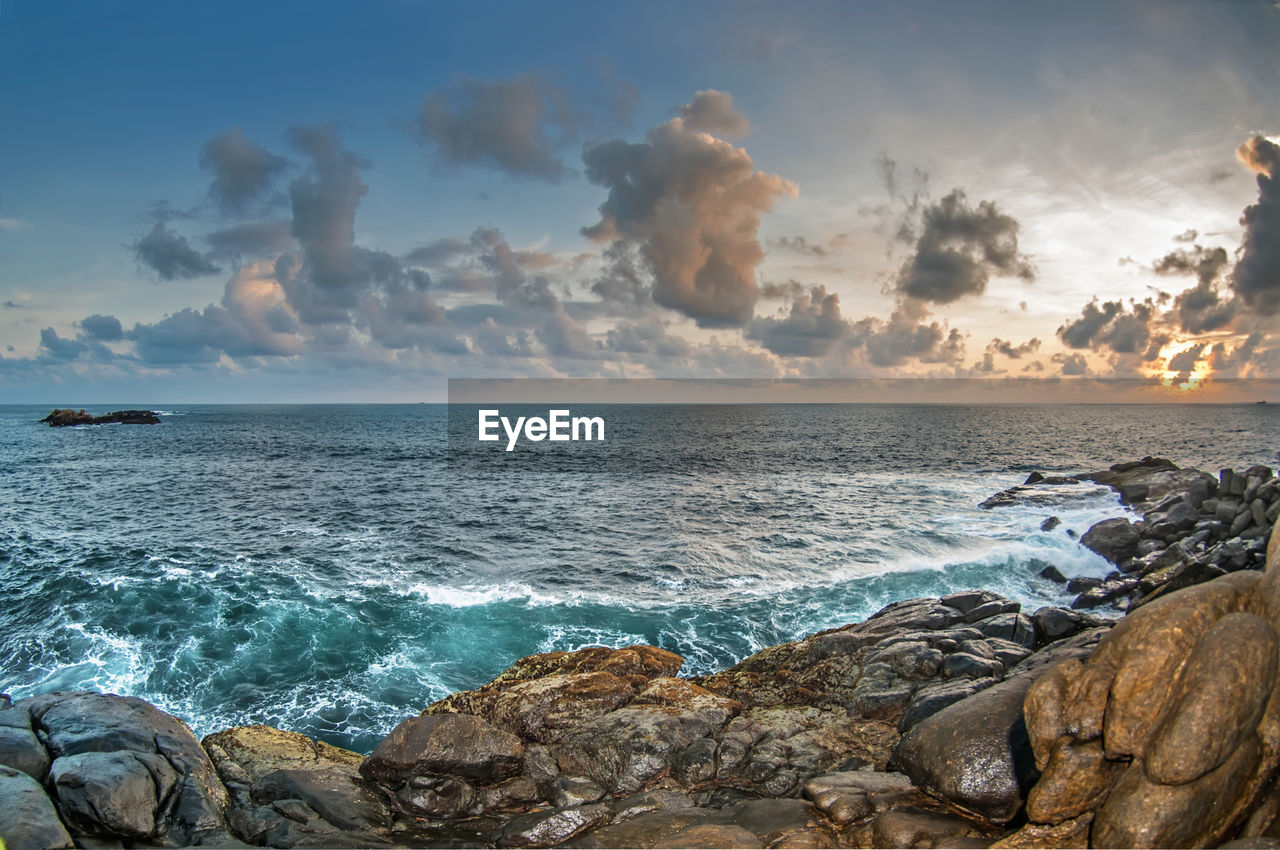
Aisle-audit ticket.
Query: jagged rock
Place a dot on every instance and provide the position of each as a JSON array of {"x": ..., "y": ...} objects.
[{"x": 28, "y": 819}]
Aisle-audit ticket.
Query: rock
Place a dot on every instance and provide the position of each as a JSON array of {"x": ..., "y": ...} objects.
[
  {"x": 76, "y": 723},
  {"x": 1052, "y": 623},
  {"x": 1053, "y": 574},
  {"x": 117, "y": 794},
  {"x": 913, "y": 827},
  {"x": 549, "y": 827},
  {"x": 28, "y": 820},
  {"x": 931, "y": 699},
  {"x": 436, "y": 797},
  {"x": 1114, "y": 539},
  {"x": 1050, "y": 524},
  {"x": 1083, "y": 583},
  {"x": 63, "y": 417},
  {"x": 568, "y": 791},
  {"x": 262, "y": 766},
  {"x": 976, "y": 754},
  {"x": 712, "y": 835},
  {"x": 544, "y": 708},
  {"x": 445, "y": 745},
  {"x": 19, "y": 747}
]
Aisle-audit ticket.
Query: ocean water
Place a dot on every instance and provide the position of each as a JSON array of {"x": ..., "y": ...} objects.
[{"x": 329, "y": 570}]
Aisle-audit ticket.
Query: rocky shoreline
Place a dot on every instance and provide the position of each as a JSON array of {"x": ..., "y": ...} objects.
[{"x": 959, "y": 722}]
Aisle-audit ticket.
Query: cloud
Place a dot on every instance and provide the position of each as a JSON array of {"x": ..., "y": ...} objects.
[
  {"x": 514, "y": 125},
  {"x": 438, "y": 252},
  {"x": 1122, "y": 330},
  {"x": 102, "y": 328},
  {"x": 251, "y": 240},
  {"x": 1013, "y": 352},
  {"x": 906, "y": 336},
  {"x": 1188, "y": 235},
  {"x": 170, "y": 256},
  {"x": 242, "y": 171},
  {"x": 800, "y": 245},
  {"x": 1201, "y": 308},
  {"x": 1256, "y": 276},
  {"x": 712, "y": 112},
  {"x": 1072, "y": 364},
  {"x": 324, "y": 203},
  {"x": 810, "y": 329},
  {"x": 691, "y": 203},
  {"x": 959, "y": 249}
]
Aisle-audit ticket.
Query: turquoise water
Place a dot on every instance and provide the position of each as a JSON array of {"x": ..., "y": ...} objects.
[{"x": 327, "y": 570}]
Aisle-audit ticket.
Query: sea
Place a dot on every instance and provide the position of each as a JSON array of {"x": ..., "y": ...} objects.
[{"x": 333, "y": 569}]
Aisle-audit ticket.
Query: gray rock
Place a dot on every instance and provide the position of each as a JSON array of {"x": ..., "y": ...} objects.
[
  {"x": 19, "y": 747},
  {"x": 28, "y": 820},
  {"x": 115, "y": 794},
  {"x": 1114, "y": 539},
  {"x": 1050, "y": 523},
  {"x": 1053, "y": 574},
  {"x": 1053, "y": 623}
]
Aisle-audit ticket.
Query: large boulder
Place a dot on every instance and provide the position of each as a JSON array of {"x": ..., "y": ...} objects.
[
  {"x": 1114, "y": 539},
  {"x": 445, "y": 745},
  {"x": 108, "y": 749}
]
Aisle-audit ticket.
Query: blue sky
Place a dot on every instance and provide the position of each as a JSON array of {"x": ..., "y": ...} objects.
[{"x": 663, "y": 189}]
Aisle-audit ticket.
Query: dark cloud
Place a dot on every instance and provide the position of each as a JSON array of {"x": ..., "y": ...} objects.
[
  {"x": 1188, "y": 235},
  {"x": 170, "y": 255},
  {"x": 102, "y": 328},
  {"x": 788, "y": 291},
  {"x": 712, "y": 112},
  {"x": 1185, "y": 361},
  {"x": 1072, "y": 364},
  {"x": 810, "y": 329},
  {"x": 800, "y": 245},
  {"x": 959, "y": 249},
  {"x": 1013, "y": 352},
  {"x": 691, "y": 204},
  {"x": 514, "y": 125},
  {"x": 13, "y": 305},
  {"x": 242, "y": 171},
  {"x": 906, "y": 336},
  {"x": 324, "y": 203},
  {"x": 1256, "y": 276},
  {"x": 251, "y": 240},
  {"x": 1122, "y": 330},
  {"x": 647, "y": 337},
  {"x": 1201, "y": 308}
]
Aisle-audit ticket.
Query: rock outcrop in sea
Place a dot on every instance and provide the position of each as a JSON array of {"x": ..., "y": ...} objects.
[
  {"x": 62, "y": 417},
  {"x": 960, "y": 721}
]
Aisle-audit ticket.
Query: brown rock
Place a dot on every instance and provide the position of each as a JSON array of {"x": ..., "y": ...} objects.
[
  {"x": 1218, "y": 701},
  {"x": 445, "y": 744}
]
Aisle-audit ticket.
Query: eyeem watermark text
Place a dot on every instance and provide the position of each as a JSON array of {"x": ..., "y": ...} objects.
[{"x": 559, "y": 426}]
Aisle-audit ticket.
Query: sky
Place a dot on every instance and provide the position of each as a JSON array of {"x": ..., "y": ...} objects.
[{"x": 289, "y": 201}]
